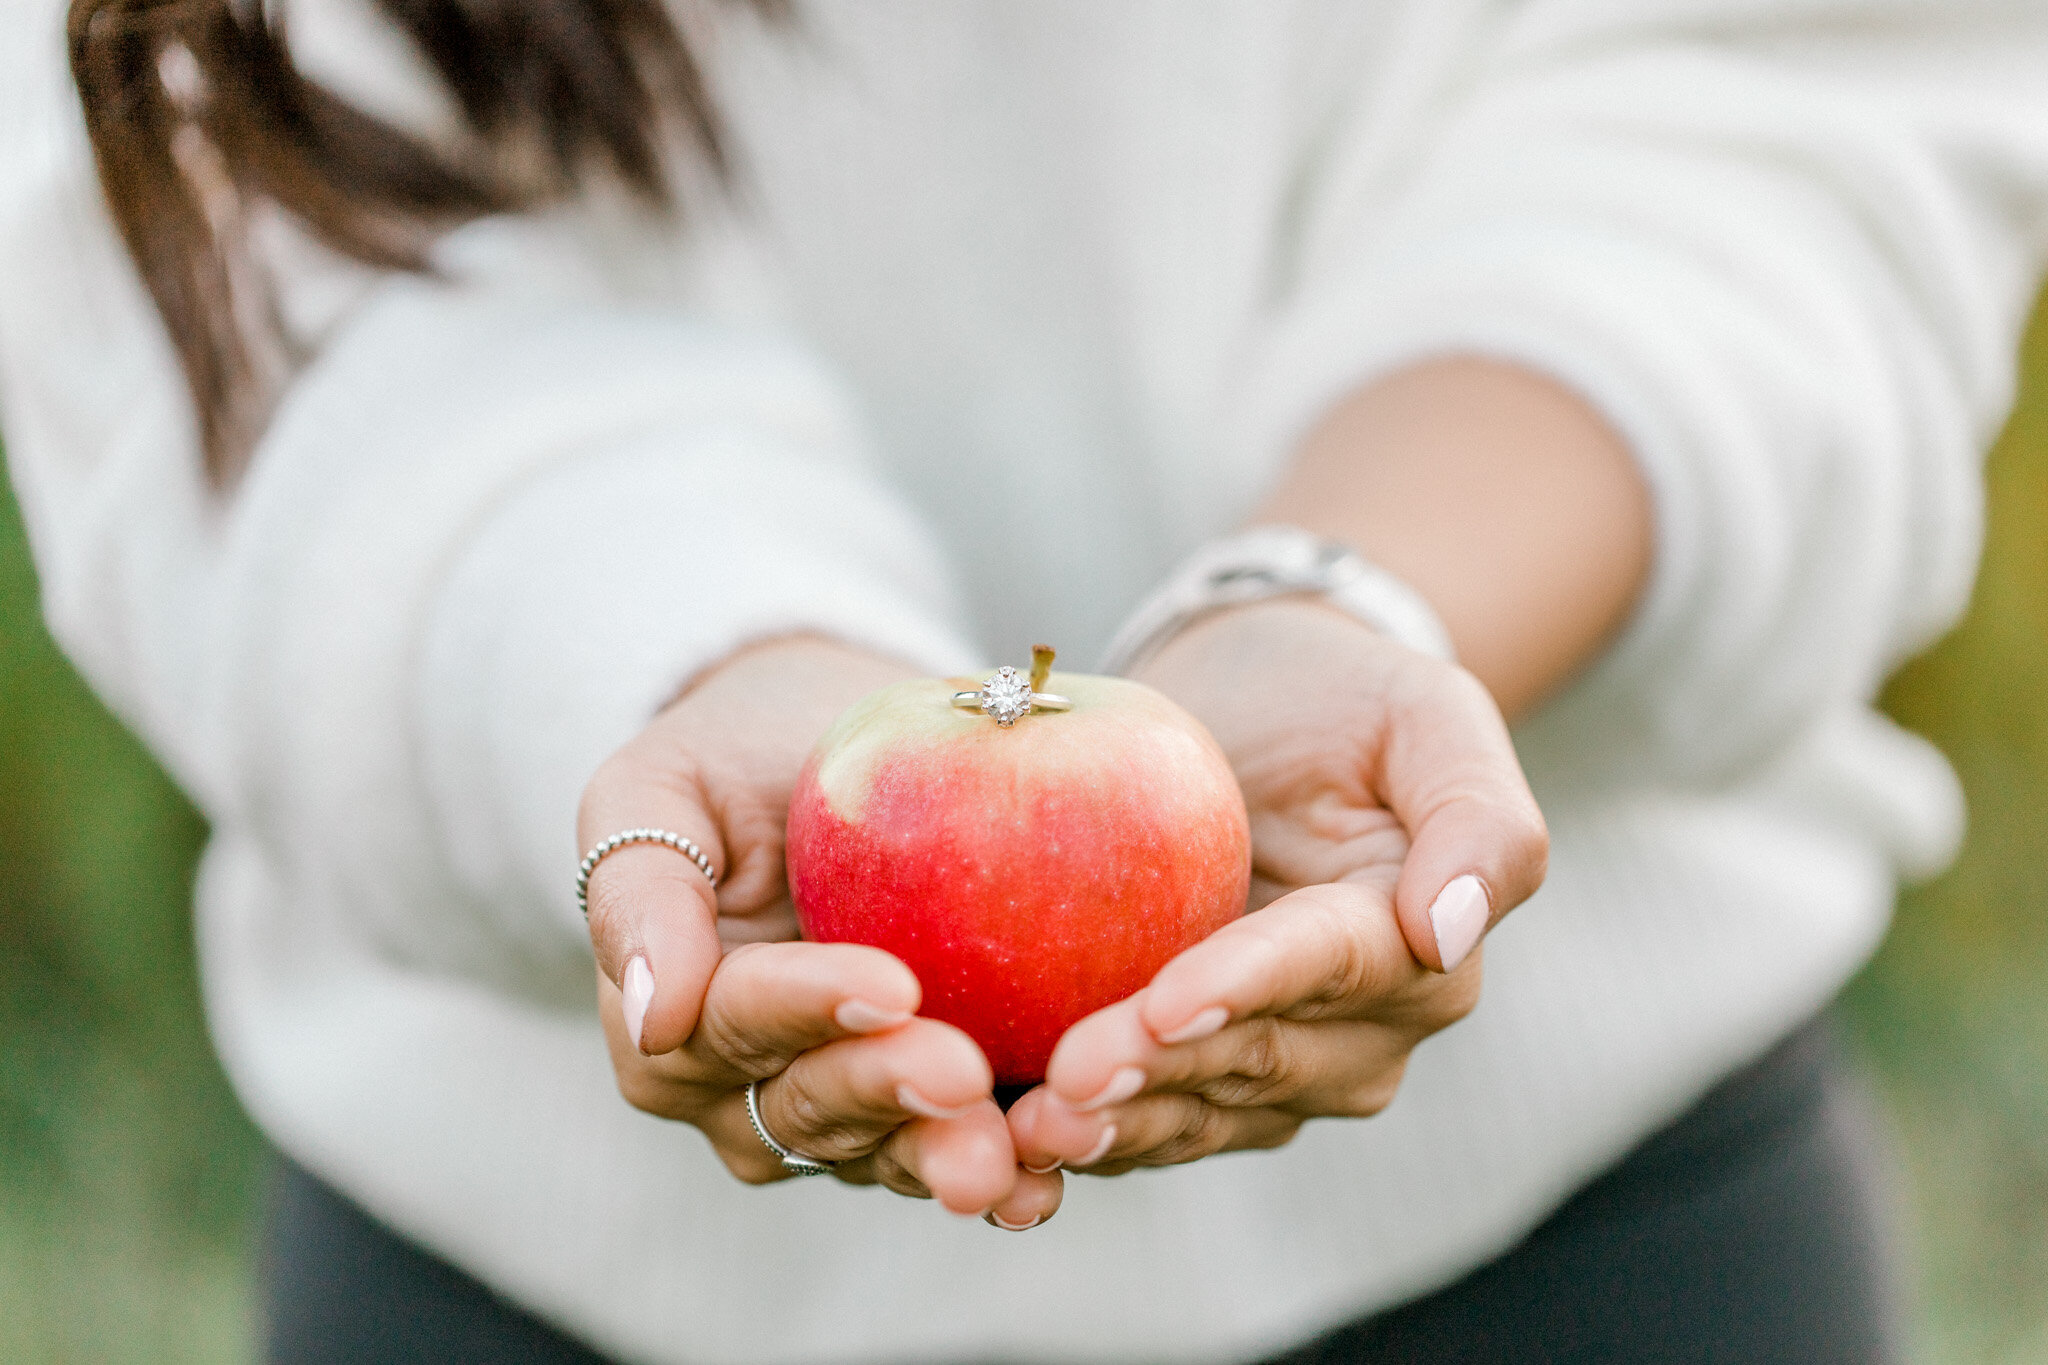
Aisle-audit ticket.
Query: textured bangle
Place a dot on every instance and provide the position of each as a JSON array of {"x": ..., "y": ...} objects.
[
  {"x": 1275, "y": 561},
  {"x": 637, "y": 836}
]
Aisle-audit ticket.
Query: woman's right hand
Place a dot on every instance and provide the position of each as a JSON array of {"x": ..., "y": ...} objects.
[{"x": 703, "y": 993}]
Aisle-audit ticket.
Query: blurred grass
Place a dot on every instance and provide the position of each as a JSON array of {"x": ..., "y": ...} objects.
[
  {"x": 1954, "y": 1010},
  {"x": 128, "y": 1175},
  {"x": 127, "y": 1172}
]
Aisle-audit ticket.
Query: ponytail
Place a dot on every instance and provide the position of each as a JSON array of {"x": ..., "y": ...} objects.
[{"x": 196, "y": 113}]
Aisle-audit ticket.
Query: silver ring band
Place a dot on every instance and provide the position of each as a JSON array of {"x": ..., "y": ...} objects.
[
  {"x": 791, "y": 1162},
  {"x": 686, "y": 847}
]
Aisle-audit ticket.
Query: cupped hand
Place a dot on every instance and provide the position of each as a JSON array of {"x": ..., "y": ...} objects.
[
  {"x": 703, "y": 992},
  {"x": 1391, "y": 827}
]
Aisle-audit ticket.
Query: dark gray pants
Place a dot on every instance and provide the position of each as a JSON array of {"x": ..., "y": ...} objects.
[{"x": 1748, "y": 1231}]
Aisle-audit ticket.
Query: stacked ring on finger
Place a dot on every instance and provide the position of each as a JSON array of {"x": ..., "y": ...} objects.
[
  {"x": 687, "y": 847},
  {"x": 791, "y": 1162}
]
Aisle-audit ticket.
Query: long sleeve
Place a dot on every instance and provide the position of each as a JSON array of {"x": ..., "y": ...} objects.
[
  {"x": 1785, "y": 249},
  {"x": 496, "y": 519},
  {"x": 1086, "y": 273},
  {"x": 483, "y": 540}
]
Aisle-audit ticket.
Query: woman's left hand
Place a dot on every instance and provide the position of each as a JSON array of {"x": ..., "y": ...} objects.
[{"x": 1391, "y": 826}]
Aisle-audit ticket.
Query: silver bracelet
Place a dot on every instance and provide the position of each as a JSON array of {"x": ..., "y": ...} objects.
[
  {"x": 1275, "y": 561},
  {"x": 686, "y": 847}
]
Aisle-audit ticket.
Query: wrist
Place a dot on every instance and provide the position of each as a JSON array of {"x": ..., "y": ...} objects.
[
  {"x": 1269, "y": 562},
  {"x": 1245, "y": 670},
  {"x": 1268, "y": 635}
]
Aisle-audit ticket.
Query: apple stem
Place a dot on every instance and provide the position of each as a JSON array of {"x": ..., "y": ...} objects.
[{"x": 1041, "y": 666}]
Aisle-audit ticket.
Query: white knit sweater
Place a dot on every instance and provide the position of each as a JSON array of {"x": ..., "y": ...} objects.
[{"x": 1024, "y": 301}]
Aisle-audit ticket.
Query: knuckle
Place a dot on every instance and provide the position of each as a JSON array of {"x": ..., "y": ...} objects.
[
  {"x": 1372, "y": 1095},
  {"x": 608, "y": 908},
  {"x": 1441, "y": 1001},
  {"x": 1280, "y": 1134},
  {"x": 750, "y": 1056},
  {"x": 807, "y": 1123},
  {"x": 644, "y": 1084},
  {"x": 751, "y": 1170},
  {"x": 859, "y": 1171},
  {"x": 1203, "y": 1130},
  {"x": 1357, "y": 971},
  {"x": 804, "y": 1113},
  {"x": 647, "y": 1087},
  {"x": 641, "y": 1091},
  {"x": 894, "y": 1174},
  {"x": 1263, "y": 1070}
]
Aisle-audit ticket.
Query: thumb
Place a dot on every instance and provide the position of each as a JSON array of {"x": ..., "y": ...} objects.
[
  {"x": 1477, "y": 842},
  {"x": 653, "y": 911}
]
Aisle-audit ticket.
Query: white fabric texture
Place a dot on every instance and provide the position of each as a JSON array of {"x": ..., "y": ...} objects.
[{"x": 1019, "y": 305}]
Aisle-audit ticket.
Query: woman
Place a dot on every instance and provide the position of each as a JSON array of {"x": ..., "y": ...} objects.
[{"x": 1653, "y": 347}]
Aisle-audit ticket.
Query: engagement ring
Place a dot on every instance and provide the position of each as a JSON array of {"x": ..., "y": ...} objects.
[{"x": 1008, "y": 695}]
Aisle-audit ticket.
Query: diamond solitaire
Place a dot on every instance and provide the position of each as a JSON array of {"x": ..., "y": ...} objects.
[{"x": 1008, "y": 696}]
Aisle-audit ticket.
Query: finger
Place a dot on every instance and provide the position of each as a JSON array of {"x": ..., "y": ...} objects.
[
  {"x": 1328, "y": 950},
  {"x": 770, "y": 1002},
  {"x": 1478, "y": 846},
  {"x": 650, "y": 905},
  {"x": 1151, "y": 1130},
  {"x": 838, "y": 1102},
  {"x": 1035, "y": 1198},
  {"x": 1048, "y": 1134},
  {"x": 965, "y": 1163},
  {"x": 1329, "y": 1068}
]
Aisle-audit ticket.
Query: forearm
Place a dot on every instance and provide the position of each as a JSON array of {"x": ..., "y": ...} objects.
[{"x": 1500, "y": 496}]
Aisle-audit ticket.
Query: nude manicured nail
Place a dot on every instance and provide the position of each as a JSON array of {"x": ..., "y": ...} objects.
[
  {"x": 1100, "y": 1149},
  {"x": 918, "y": 1104},
  {"x": 1458, "y": 916},
  {"x": 1013, "y": 1227},
  {"x": 1127, "y": 1081},
  {"x": 638, "y": 988},
  {"x": 858, "y": 1016},
  {"x": 1046, "y": 1169},
  {"x": 1206, "y": 1024}
]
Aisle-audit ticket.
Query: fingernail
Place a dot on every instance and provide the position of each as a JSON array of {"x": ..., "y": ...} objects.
[
  {"x": 1458, "y": 916},
  {"x": 1046, "y": 1169},
  {"x": 858, "y": 1016},
  {"x": 1127, "y": 1081},
  {"x": 1204, "y": 1025},
  {"x": 638, "y": 989},
  {"x": 918, "y": 1104},
  {"x": 1014, "y": 1227},
  {"x": 1100, "y": 1149}
]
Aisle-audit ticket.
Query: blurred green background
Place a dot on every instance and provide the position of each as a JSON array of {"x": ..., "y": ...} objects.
[{"x": 129, "y": 1179}]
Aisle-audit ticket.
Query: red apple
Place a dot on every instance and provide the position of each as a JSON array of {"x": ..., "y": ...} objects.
[{"x": 1029, "y": 874}]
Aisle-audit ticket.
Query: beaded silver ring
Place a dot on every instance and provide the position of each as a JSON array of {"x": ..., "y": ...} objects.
[
  {"x": 686, "y": 847},
  {"x": 791, "y": 1162}
]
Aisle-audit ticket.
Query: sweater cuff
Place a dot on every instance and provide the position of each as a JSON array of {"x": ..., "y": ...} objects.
[
  {"x": 602, "y": 585},
  {"x": 1731, "y": 433}
]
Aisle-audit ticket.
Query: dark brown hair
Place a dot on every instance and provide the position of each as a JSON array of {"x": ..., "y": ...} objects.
[{"x": 197, "y": 113}]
